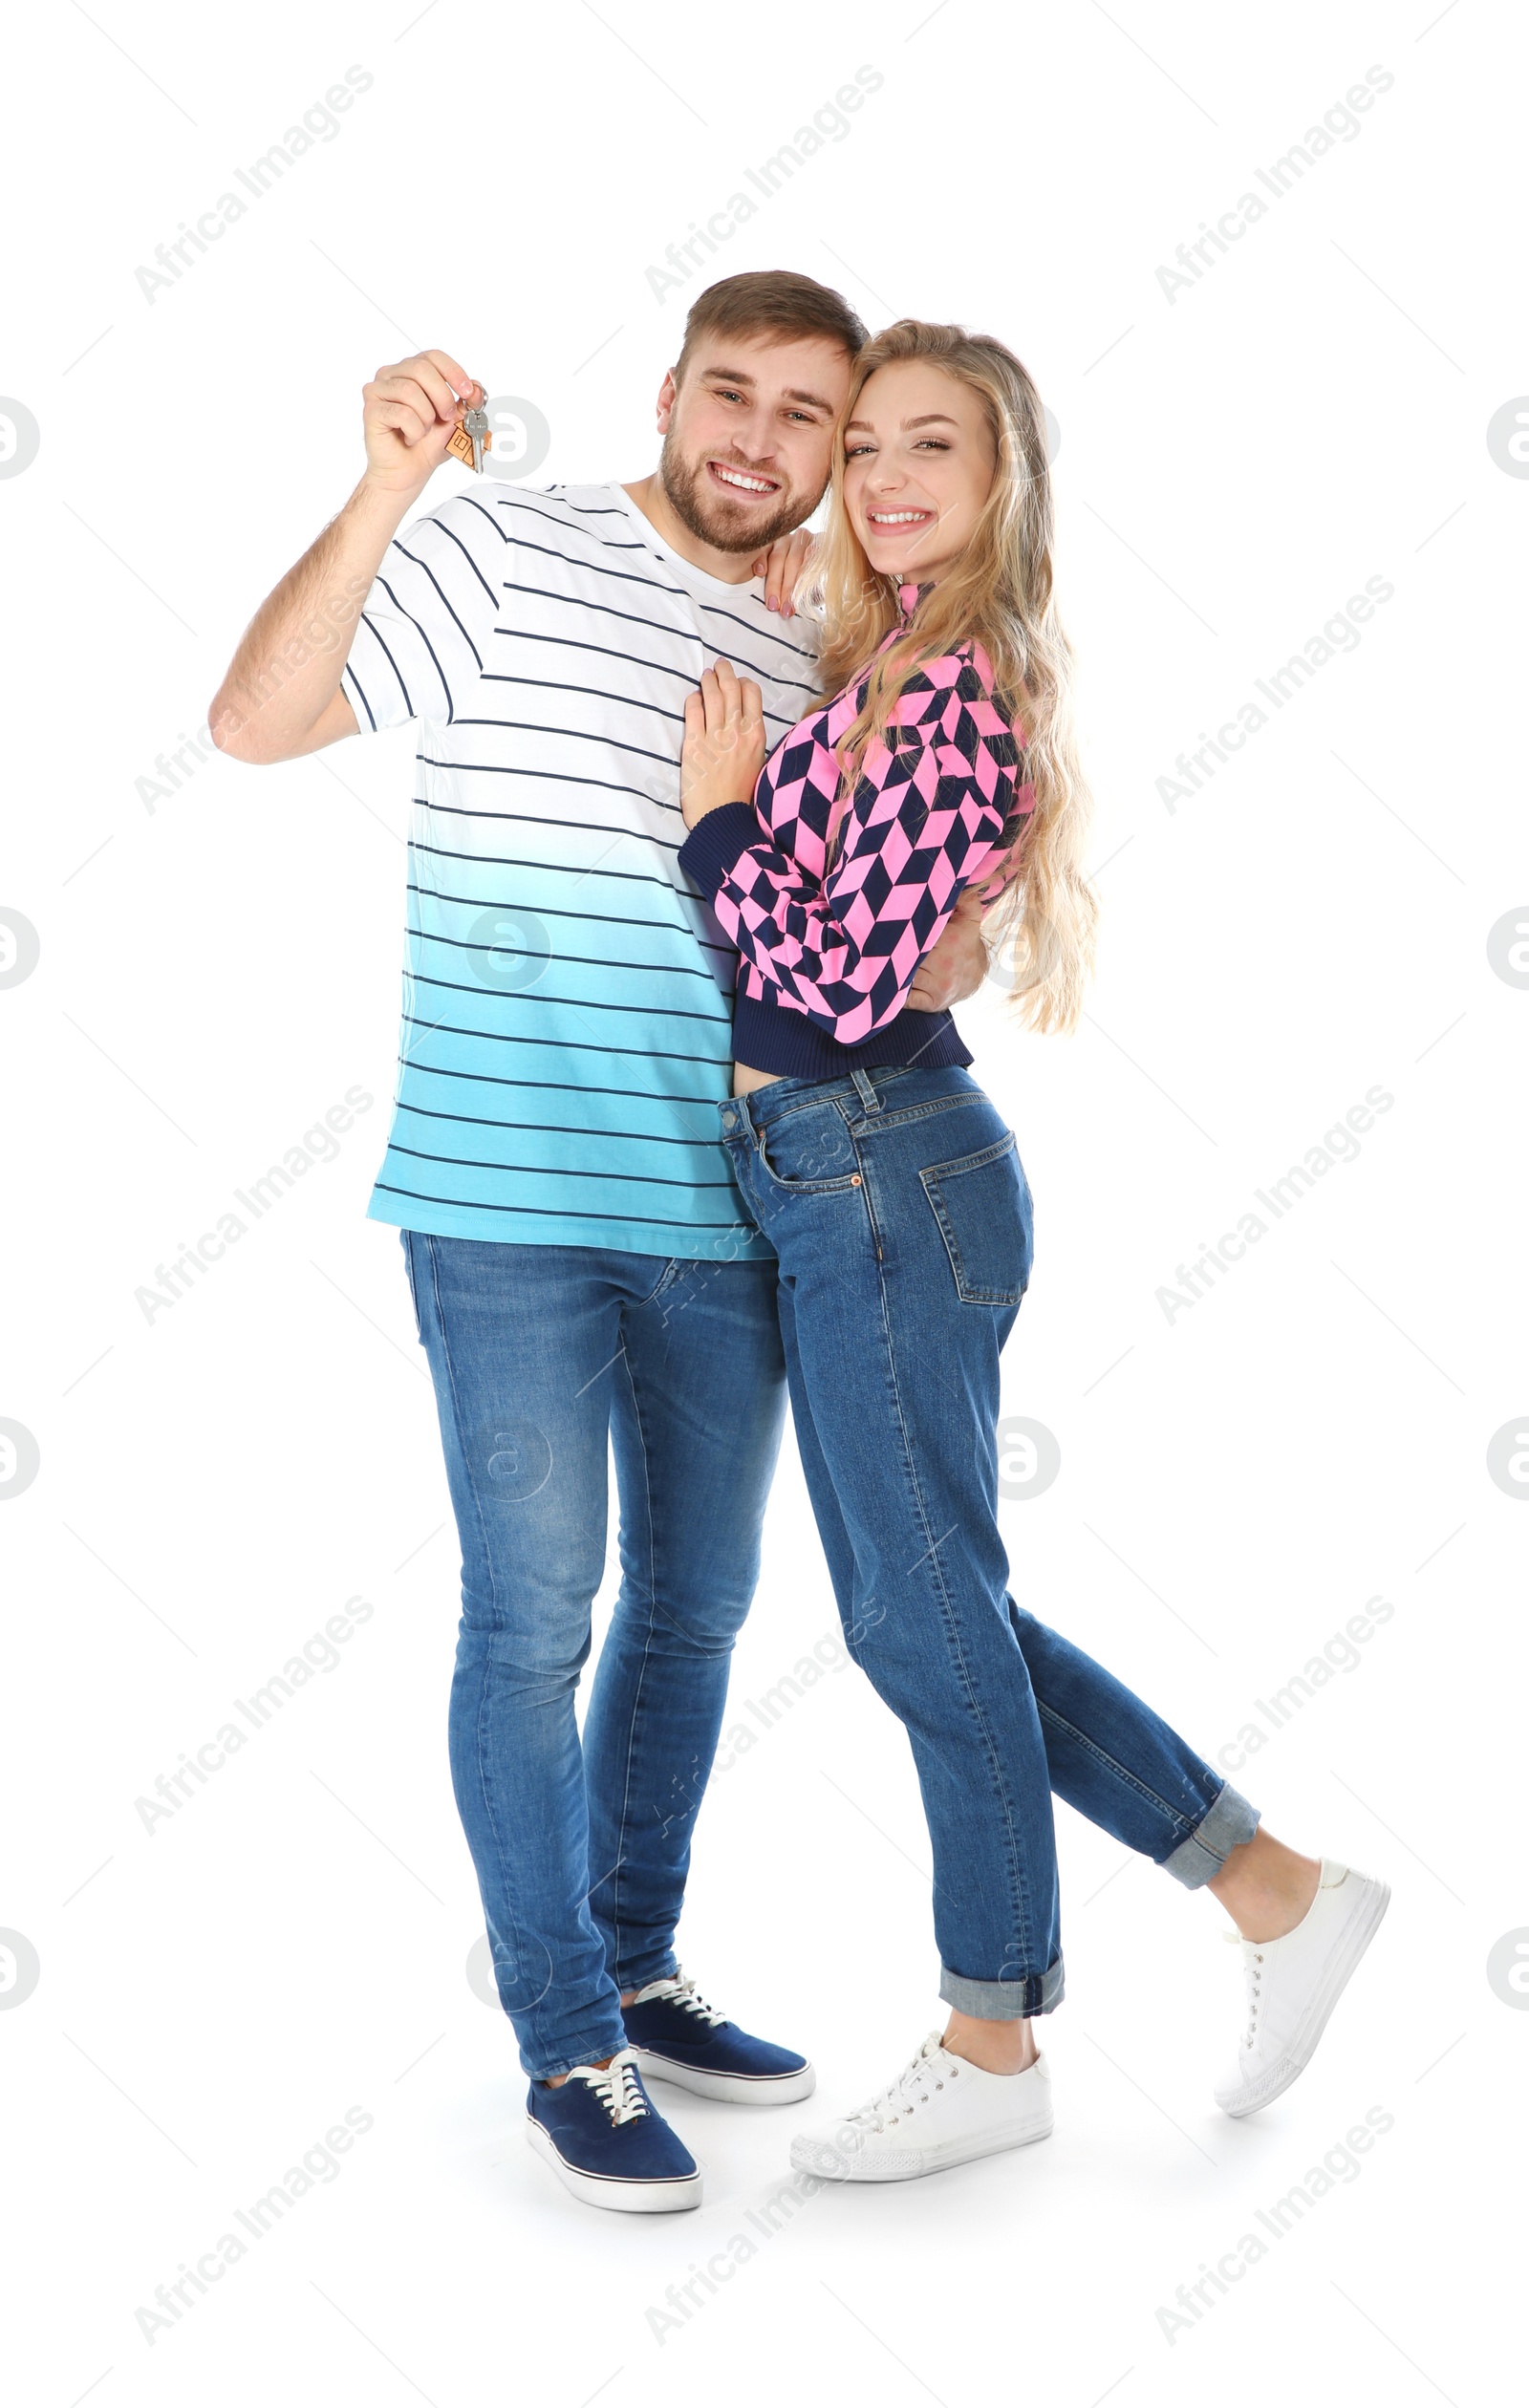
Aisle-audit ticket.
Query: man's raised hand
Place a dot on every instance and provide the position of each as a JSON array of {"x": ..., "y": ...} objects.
[
  {"x": 281, "y": 695},
  {"x": 411, "y": 409}
]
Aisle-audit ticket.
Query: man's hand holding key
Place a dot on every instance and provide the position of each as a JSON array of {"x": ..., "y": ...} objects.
[{"x": 416, "y": 412}]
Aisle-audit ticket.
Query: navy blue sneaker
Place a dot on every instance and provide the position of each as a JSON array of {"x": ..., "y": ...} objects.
[
  {"x": 602, "y": 2133},
  {"x": 677, "y": 2037}
]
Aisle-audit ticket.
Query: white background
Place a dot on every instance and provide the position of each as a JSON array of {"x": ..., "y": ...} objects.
[{"x": 1234, "y": 1482}]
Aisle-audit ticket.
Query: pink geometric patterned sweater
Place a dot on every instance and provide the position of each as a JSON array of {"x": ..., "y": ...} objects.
[{"x": 828, "y": 956}]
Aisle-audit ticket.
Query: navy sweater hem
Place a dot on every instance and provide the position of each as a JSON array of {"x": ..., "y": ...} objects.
[{"x": 767, "y": 1037}]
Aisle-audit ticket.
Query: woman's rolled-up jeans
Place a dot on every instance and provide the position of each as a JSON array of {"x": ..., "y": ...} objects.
[{"x": 901, "y": 1216}]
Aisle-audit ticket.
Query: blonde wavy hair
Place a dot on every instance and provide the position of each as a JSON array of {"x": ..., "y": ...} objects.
[{"x": 1000, "y": 592}]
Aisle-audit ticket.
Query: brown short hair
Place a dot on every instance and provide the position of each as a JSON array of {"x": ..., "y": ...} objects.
[{"x": 771, "y": 301}]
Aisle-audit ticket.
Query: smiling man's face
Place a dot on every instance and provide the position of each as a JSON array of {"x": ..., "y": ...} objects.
[{"x": 746, "y": 437}]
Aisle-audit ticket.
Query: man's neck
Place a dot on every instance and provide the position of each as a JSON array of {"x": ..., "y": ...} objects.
[{"x": 728, "y": 568}]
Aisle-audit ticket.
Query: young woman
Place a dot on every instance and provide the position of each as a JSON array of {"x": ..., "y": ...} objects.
[{"x": 894, "y": 1198}]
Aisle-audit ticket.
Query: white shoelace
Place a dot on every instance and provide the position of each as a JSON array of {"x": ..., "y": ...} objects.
[
  {"x": 615, "y": 2087},
  {"x": 1253, "y": 1958},
  {"x": 913, "y": 2088},
  {"x": 679, "y": 1991}
]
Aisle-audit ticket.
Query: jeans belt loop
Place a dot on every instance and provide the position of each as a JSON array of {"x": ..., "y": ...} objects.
[{"x": 865, "y": 1090}]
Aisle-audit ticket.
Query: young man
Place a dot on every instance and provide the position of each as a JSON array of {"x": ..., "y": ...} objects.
[{"x": 581, "y": 1266}]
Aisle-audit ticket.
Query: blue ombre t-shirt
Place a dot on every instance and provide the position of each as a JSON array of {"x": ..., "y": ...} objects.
[{"x": 567, "y": 994}]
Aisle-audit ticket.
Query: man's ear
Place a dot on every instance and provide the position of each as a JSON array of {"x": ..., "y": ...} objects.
[{"x": 666, "y": 400}]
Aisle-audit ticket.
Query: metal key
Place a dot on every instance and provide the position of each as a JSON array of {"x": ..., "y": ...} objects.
[{"x": 475, "y": 426}]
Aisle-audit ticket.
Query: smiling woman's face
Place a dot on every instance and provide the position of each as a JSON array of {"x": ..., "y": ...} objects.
[{"x": 920, "y": 459}]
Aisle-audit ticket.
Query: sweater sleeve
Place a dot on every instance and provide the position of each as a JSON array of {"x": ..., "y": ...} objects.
[{"x": 925, "y": 816}]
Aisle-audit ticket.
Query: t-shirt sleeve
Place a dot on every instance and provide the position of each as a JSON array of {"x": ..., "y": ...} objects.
[{"x": 426, "y": 631}]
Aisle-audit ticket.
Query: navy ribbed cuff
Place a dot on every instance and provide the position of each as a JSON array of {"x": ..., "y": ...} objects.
[{"x": 716, "y": 842}]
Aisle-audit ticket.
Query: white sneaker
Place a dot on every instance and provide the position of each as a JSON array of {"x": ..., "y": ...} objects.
[
  {"x": 1295, "y": 1982},
  {"x": 940, "y": 2111}
]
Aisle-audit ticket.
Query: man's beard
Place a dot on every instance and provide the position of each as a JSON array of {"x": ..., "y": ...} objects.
[{"x": 711, "y": 517}]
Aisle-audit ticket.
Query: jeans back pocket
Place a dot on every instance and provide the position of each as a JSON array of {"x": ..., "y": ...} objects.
[{"x": 983, "y": 1207}]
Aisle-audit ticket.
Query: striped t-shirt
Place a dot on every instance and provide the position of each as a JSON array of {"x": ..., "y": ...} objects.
[{"x": 568, "y": 995}]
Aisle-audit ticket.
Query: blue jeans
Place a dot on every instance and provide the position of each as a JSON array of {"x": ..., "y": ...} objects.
[
  {"x": 902, "y": 1221},
  {"x": 539, "y": 1355}
]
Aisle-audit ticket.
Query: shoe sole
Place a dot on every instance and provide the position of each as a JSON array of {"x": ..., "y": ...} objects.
[
  {"x": 609, "y": 2190},
  {"x": 933, "y": 2161},
  {"x": 737, "y": 2090},
  {"x": 1344, "y": 1959}
]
